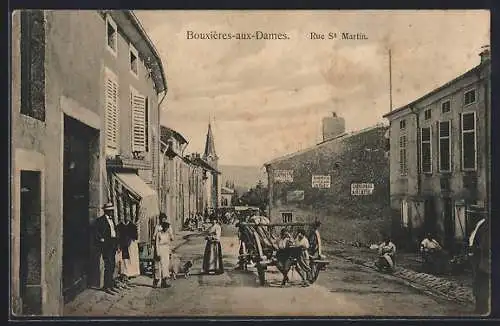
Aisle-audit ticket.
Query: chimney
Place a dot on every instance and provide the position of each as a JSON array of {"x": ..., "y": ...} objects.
[
  {"x": 333, "y": 126},
  {"x": 485, "y": 54}
]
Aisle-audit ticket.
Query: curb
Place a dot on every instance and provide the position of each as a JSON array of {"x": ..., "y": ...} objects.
[{"x": 411, "y": 283}]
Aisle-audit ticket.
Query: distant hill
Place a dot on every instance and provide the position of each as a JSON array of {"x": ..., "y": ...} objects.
[{"x": 244, "y": 177}]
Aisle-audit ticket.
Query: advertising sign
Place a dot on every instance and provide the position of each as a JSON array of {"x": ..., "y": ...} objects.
[
  {"x": 295, "y": 196},
  {"x": 362, "y": 189},
  {"x": 283, "y": 175},
  {"x": 321, "y": 181}
]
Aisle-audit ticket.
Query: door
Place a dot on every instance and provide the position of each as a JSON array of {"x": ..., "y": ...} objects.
[
  {"x": 449, "y": 223},
  {"x": 30, "y": 269},
  {"x": 76, "y": 244}
]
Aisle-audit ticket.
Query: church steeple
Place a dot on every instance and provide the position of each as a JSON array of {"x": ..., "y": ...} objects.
[{"x": 209, "y": 155}]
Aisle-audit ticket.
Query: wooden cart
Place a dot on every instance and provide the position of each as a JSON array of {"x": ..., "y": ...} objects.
[{"x": 259, "y": 245}]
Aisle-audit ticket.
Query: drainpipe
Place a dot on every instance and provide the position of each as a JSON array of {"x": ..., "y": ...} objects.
[
  {"x": 158, "y": 128},
  {"x": 487, "y": 142},
  {"x": 419, "y": 180}
]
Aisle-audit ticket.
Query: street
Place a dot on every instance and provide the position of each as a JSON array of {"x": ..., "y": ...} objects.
[{"x": 344, "y": 289}]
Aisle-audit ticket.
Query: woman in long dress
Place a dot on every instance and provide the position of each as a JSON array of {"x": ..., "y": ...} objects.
[
  {"x": 163, "y": 239},
  {"x": 212, "y": 259},
  {"x": 127, "y": 232}
]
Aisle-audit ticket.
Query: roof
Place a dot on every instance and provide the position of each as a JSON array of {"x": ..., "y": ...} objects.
[
  {"x": 167, "y": 132},
  {"x": 227, "y": 190},
  {"x": 133, "y": 29},
  {"x": 201, "y": 162},
  {"x": 440, "y": 88},
  {"x": 328, "y": 141},
  {"x": 209, "y": 144}
]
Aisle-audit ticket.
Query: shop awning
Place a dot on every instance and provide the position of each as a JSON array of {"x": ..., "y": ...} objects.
[{"x": 148, "y": 198}]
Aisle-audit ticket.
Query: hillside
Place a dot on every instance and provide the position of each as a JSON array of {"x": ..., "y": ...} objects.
[{"x": 244, "y": 177}]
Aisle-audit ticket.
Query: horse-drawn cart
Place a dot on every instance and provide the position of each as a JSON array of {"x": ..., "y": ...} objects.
[{"x": 259, "y": 245}]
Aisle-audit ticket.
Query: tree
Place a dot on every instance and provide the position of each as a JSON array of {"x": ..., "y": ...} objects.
[
  {"x": 256, "y": 196},
  {"x": 235, "y": 199}
]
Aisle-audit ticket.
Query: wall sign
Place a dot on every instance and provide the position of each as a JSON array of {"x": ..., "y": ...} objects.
[
  {"x": 321, "y": 181},
  {"x": 295, "y": 196},
  {"x": 362, "y": 189},
  {"x": 283, "y": 175}
]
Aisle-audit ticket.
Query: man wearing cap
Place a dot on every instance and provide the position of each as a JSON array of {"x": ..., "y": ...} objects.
[{"x": 106, "y": 237}]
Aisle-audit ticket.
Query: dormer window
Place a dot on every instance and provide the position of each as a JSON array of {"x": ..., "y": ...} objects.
[
  {"x": 111, "y": 35},
  {"x": 134, "y": 61}
]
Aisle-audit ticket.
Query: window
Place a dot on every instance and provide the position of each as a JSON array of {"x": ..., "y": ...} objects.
[
  {"x": 287, "y": 217},
  {"x": 444, "y": 146},
  {"x": 470, "y": 97},
  {"x": 402, "y": 124},
  {"x": 146, "y": 128},
  {"x": 33, "y": 64},
  {"x": 138, "y": 105},
  {"x": 469, "y": 141},
  {"x": 404, "y": 213},
  {"x": 112, "y": 113},
  {"x": 427, "y": 114},
  {"x": 111, "y": 35},
  {"x": 134, "y": 61},
  {"x": 445, "y": 107},
  {"x": 426, "y": 150},
  {"x": 403, "y": 164}
]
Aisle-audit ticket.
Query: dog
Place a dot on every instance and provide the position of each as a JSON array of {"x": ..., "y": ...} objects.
[{"x": 177, "y": 268}]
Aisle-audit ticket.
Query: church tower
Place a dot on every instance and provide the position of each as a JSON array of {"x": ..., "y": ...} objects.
[
  {"x": 209, "y": 155},
  {"x": 214, "y": 184}
]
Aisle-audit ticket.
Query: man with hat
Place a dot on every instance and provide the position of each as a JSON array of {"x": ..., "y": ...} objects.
[{"x": 106, "y": 237}]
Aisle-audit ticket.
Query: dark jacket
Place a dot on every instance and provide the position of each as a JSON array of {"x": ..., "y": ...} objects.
[
  {"x": 103, "y": 232},
  {"x": 126, "y": 234}
]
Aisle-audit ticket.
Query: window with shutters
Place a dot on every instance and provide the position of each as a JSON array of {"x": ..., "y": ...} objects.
[
  {"x": 112, "y": 112},
  {"x": 403, "y": 157},
  {"x": 470, "y": 97},
  {"x": 146, "y": 128},
  {"x": 446, "y": 107},
  {"x": 138, "y": 105},
  {"x": 33, "y": 64},
  {"x": 444, "y": 146},
  {"x": 469, "y": 141},
  {"x": 426, "y": 150}
]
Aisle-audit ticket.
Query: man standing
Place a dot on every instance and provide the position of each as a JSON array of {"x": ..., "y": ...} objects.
[
  {"x": 479, "y": 245},
  {"x": 106, "y": 237}
]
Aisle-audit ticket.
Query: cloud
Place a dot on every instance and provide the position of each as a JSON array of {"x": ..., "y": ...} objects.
[{"x": 268, "y": 97}]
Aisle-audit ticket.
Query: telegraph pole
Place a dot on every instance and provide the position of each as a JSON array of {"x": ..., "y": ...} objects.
[{"x": 390, "y": 81}]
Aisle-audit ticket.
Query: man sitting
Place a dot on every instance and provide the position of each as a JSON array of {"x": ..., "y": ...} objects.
[
  {"x": 432, "y": 252},
  {"x": 387, "y": 253}
]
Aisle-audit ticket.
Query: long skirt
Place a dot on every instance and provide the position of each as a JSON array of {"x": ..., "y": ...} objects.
[
  {"x": 131, "y": 265},
  {"x": 162, "y": 266},
  {"x": 212, "y": 259}
]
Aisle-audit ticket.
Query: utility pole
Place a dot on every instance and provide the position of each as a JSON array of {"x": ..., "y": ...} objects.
[{"x": 390, "y": 81}]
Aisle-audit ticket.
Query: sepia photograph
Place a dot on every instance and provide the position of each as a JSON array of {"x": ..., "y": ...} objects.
[{"x": 250, "y": 163}]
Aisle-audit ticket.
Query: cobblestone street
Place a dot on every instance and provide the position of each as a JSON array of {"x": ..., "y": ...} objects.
[{"x": 344, "y": 289}]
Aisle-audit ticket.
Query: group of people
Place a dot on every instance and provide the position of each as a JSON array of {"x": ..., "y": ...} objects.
[{"x": 117, "y": 244}]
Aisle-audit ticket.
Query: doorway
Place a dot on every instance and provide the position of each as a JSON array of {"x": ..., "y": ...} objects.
[
  {"x": 30, "y": 271},
  {"x": 76, "y": 226},
  {"x": 449, "y": 224}
]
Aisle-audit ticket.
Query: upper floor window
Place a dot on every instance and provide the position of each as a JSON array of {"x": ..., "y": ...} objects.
[
  {"x": 134, "y": 61},
  {"x": 402, "y": 124},
  {"x": 403, "y": 159},
  {"x": 427, "y": 114},
  {"x": 446, "y": 107},
  {"x": 111, "y": 35},
  {"x": 444, "y": 146},
  {"x": 470, "y": 97},
  {"x": 469, "y": 156},
  {"x": 112, "y": 112},
  {"x": 138, "y": 105},
  {"x": 33, "y": 64},
  {"x": 426, "y": 150}
]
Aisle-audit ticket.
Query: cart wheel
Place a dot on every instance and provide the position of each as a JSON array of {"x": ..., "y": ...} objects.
[
  {"x": 314, "y": 272},
  {"x": 262, "y": 274}
]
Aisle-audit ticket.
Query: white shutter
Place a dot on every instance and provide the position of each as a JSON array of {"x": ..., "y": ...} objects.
[
  {"x": 138, "y": 122},
  {"x": 112, "y": 113},
  {"x": 404, "y": 212}
]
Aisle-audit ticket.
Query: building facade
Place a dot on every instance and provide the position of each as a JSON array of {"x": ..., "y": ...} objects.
[
  {"x": 227, "y": 197},
  {"x": 340, "y": 181},
  {"x": 84, "y": 114},
  {"x": 440, "y": 159}
]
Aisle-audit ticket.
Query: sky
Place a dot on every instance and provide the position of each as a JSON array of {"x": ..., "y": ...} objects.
[{"x": 266, "y": 98}]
